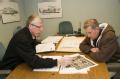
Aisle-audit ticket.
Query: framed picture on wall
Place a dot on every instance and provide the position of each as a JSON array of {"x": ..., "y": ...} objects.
[
  {"x": 9, "y": 11},
  {"x": 50, "y": 8}
]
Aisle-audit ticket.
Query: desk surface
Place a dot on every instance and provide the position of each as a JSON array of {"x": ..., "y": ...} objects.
[{"x": 25, "y": 72}]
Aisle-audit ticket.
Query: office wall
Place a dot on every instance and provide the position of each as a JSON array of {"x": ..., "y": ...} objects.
[
  {"x": 75, "y": 11},
  {"x": 78, "y": 11},
  {"x": 6, "y": 30}
]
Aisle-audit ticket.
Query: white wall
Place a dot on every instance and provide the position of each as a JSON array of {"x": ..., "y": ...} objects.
[
  {"x": 78, "y": 11},
  {"x": 6, "y": 30},
  {"x": 75, "y": 11}
]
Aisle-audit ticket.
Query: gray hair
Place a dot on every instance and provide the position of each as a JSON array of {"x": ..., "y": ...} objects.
[{"x": 93, "y": 23}]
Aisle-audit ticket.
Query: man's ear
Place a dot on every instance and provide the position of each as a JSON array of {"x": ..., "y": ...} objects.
[{"x": 30, "y": 27}]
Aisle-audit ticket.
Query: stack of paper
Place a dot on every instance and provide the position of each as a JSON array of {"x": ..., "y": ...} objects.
[
  {"x": 52, "y": 39},
  {"x": 47, "y": 47},
  {"x": 54, "y": 69},
  {"x": 48, "y": 44},
  {"x": 80, "y": 65}
]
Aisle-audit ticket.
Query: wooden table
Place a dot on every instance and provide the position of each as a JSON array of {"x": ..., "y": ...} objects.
[{"x": 25, "y": 72}]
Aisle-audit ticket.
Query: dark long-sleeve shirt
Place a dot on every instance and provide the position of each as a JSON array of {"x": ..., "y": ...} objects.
[{"x": 21, "y": 49}]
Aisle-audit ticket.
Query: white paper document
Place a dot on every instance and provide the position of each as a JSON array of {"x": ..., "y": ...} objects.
[
  {"x": 80, "y": 65},
  {"x": 47, "y": 47},
  {"x": 71, "y": 42},
  {"x": 53, "y": 69},
  {"x": 52, "y": 39}
]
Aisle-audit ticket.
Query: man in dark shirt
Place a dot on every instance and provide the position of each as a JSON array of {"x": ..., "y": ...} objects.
[{"x": 21, "y": 48}]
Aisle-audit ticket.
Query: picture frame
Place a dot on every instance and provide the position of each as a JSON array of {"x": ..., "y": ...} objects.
[
  {"x": 50, "y": 9},
  {"x": 9, "y": 12}
]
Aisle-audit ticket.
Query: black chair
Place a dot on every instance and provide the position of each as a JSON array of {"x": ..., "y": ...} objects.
[
  {"x": 115, "y": 66},
  {"x": 2, "y": 50},
  {"x": 65, "y": 27},
  {"x": 116, "y": 76},
  {"x": 3, "y": 73}
]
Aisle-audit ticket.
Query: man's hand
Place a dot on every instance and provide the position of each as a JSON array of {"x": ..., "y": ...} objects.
[
  {"x": 94, "y": 50},
  {"x": 65, "y": 61}
]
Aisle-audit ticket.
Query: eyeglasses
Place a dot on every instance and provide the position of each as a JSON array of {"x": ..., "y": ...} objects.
[{"x": 36, "y": 25}]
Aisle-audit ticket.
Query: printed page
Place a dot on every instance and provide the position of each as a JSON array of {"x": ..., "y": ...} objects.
[
  {"x": 45, "y": 47},
  {"x": 70, "y": 44},
  {"x": 80, "y": 64},
  {"x": 72, "y": 41},
  {"x": 52, "y": 39},
  {"x": 72, "y": 70}
]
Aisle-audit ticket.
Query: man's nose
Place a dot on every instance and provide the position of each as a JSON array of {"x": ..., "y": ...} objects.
[{"x": 41, "y": 29}]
